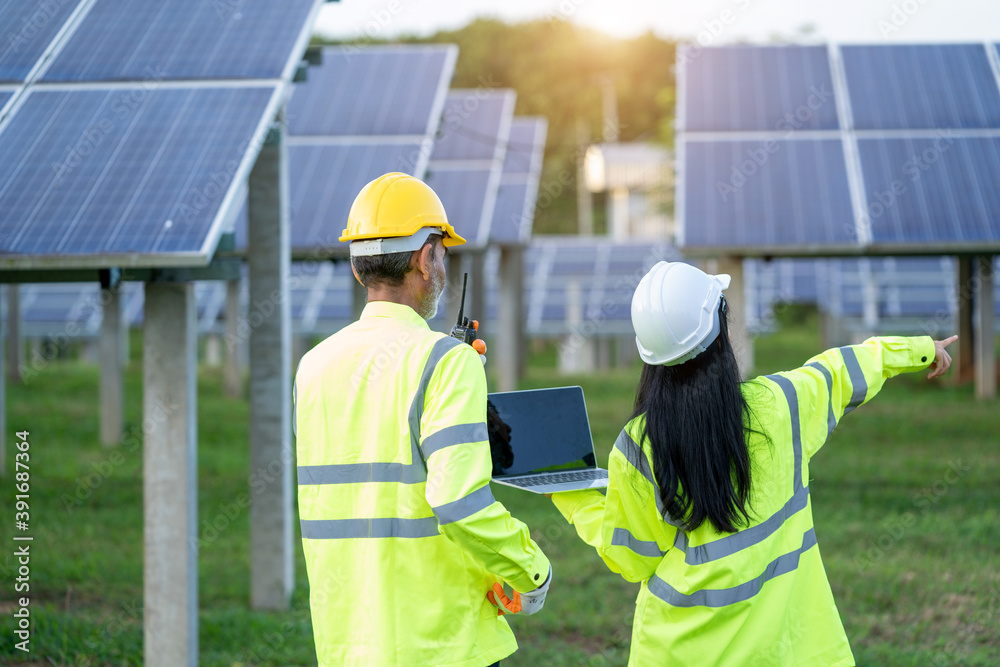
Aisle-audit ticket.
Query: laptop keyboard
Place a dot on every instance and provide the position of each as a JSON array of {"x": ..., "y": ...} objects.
[{"x": 559, "y": 477}]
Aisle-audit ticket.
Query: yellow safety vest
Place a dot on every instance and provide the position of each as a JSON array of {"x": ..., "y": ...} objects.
[
  {"x": 401, "y": 534},
  {"x": 759, "y": 596}
]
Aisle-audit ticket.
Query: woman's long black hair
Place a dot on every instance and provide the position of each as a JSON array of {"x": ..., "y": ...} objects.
[{"x": 697, "y": 424}]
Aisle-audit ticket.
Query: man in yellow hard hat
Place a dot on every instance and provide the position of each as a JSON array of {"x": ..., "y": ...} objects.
[{"x": 405, "y": 547}]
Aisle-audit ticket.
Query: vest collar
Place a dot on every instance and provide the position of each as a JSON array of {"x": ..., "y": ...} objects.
[{"x": 396, "y": 311}]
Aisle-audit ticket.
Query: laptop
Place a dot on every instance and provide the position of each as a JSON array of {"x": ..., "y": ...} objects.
[{"x": 550, "y": 439}]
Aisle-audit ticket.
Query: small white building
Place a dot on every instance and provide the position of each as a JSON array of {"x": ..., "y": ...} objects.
[{"x": 638, "y": 177}]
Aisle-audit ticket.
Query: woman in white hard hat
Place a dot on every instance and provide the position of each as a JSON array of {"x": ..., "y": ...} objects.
[{"x": 708, "y": 501}]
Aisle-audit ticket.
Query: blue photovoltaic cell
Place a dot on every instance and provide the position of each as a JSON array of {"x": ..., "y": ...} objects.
[
  {"x": 924, "y": 86},
  {"x": 945, "y": 189},
  {"x": 735, "y": 88},
  {"x": 463, "y": 193},
  {"x": 472, "y": 124},
  {"x": 124, "y": 40},
  {"x": 371, "y": 91},
  {"x": 324, "y": 180},
  {"x": 798, "y": 196},
  {"x": 513, "y": 213},
  {"x": 527, "y": 140},
  {"x": 26, "y": 31},
  {"x": 511, "y": 223},
  {"x": 4, "y": 97},
  {"x": 122, "y": 171}
]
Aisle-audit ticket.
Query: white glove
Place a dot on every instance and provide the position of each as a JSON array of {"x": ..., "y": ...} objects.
[
  {"x": 532, "y": 602},
  {"x": 519, "y": 603}
]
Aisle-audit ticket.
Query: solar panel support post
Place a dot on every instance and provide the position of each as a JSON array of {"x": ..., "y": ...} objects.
[
  {"x": 15, "y": 343},
  {"x": 510, "y": 322},
  {"x": 738, "y": 334},
  {"x": 233, "y": 372},
  {"x": 966, "y": 349},
  {"x": 112, "y": 389},
  {"x": 170, "y": 481},
  {"x": 985, "y": 334},
  {"x": 272, "y": 562}
]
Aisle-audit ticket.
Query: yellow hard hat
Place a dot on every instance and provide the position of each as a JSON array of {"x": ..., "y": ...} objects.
[{"x": 396, "y": 213}]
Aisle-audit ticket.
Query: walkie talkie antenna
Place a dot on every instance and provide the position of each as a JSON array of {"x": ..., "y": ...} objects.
[{"x": 461, "y": 307}]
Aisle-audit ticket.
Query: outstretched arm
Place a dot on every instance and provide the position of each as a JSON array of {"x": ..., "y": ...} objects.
[{"x": 834, "y": 383}]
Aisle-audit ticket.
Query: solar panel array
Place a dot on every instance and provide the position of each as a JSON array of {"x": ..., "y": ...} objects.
[
  {"x": 574, "y": 285},
  {"x": 137, "y": 125},
  {"x": 813, "y": 150},
  {"x": 891, "y": 294},
  {"x": 124, "y": 40},
  {"x": 468, "y": 159},
  {"x": 364, "y": 112},
  {"x": 514, "y": 212}
]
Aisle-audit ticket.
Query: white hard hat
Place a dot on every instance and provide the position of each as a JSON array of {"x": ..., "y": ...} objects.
[{"x": 675, "y": 312}]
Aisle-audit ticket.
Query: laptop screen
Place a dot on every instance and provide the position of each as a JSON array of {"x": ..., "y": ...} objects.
[{"x": 549, "y": 429}]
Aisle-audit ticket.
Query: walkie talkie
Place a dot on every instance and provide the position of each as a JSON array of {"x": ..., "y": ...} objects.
[{"x": 466, "y": 330}]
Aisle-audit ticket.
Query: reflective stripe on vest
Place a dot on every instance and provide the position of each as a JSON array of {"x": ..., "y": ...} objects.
[
  {"x": 720, "y": 597},
  {"x": 403, "y": 473},
  {"x": 735, "y": 542},
  {"x": 858, "y": 381}
]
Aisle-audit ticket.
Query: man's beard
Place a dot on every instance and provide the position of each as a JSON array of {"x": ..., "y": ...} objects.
[{"x": 428, "y": 302}]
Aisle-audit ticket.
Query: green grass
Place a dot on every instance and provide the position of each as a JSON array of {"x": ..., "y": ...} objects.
[{"x": 906, "y": 497}]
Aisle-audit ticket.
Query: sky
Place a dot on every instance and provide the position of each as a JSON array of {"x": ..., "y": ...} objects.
[{"x": 708, "y": 21}]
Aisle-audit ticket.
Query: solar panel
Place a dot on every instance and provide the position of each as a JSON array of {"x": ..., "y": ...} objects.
[
  {"x": 514, "y": 211},
  {"x": 476, "y": 125},
  {"x": 123, "y": 40},
  {"x": 124, "y": 175},
  {"x": 923, "y": 86},
  {"x": 5, "y": 96},
  {"x": 365, "y": 112},
  {"x": 740, "y": 88},
  {"x": 913, "y": 173},
  {"x": 28, "y": 29},
  {"x": 392, "y": 90},
  {"x": 467, "y": 162},
  {"x": 940, "y": 192},
  {"x": 794, "y": 196}
]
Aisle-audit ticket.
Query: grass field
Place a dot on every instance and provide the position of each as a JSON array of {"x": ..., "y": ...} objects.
[{"x": 906, "y": 496}]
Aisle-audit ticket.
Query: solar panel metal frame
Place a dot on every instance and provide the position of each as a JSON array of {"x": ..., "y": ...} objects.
[
  {"x": 528, "y": 177},
  {"x": 492, "y": 166},
  {"x": 237, "y": 185},
  {"x": 849, "y": 136}
]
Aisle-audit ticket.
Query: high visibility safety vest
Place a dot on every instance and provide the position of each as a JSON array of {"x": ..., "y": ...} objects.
[
  {"x": 401, "y": 534},
  {"x": 759, "y": 596}
]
